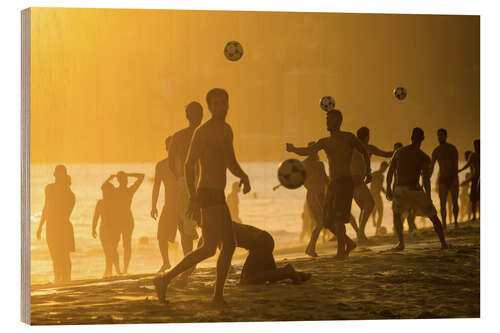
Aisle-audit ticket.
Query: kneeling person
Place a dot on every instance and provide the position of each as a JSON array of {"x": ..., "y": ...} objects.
[{"x": 260, "y": 267}]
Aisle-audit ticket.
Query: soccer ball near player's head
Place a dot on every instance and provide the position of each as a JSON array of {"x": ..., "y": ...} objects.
[
  {"x": 122, "y": 178},
  {"x": 327, "y": 103},
  {"x": 218, "y": 102},
  {"x": 233, "y": 51},
  {"x": 292, "y": 174},
  {"x": 333, "y": 120},
  {"x": 417, "y": 135},
  {"x": 383, "y": 166},
  {"x": 194, "y": 113},
  {"x": 363, "y": 134},
  {"x": 442, "y": 135}
]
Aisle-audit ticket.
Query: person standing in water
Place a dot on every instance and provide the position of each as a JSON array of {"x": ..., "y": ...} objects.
[
  {"x": 125, "y": 219},
  {"x": 169, "y": 220},
  {"x": 59, "y": 203},
  {"x": 109, "y": 233}
]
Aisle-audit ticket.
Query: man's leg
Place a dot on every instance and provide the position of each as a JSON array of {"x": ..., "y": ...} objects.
[
  {"x": 398, "y": 227},
  {"x": 226, "y": 253},
  {"x": 341, "y": 239},
  {"x": 364, "y": 199},
  {"x": 311, "y": 247},
  {"x": 163, "y": 245},
  {"x": 186, "y": 243},
  {"x": 439, "y": 230},
  {"x": 206, "y": 250},
  {"x": 127, "y": 249},
  {"x": 443, "y": 197},
  {"x": 454, "y": 200}
]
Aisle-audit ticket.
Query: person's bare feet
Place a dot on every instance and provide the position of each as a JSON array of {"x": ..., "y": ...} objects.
[
  {"x": 311, "y": 253},
  {"x": 349, "y": 247},
  {"x": 164, "y": 267},
  {"x": 160, "y": 288},
  {"x": 399, "y": 247},
  {"x": 219, "y": 302}
]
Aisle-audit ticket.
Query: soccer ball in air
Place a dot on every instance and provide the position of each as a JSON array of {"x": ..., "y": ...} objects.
[
  {"x": 233, "y": 51},
  {"x": 327, "y": 103},
  {"x": 399, "y": 93},
  {"x": 292, "y": 174}
]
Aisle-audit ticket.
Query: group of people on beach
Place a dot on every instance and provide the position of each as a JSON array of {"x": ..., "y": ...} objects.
[{"x": 194, "y": 180}]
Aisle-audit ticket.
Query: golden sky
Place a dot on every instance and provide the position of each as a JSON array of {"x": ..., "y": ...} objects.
[{"x": 109, "y": 85}]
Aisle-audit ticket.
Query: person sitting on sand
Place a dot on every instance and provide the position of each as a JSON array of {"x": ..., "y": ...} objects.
[
  {"x": 408, "y": 163},
  {"x": 339, "y": 147},
  {"x": 109, "y": 234}
]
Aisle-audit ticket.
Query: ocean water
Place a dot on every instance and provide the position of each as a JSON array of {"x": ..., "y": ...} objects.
[{"x": 278, "y": 212}]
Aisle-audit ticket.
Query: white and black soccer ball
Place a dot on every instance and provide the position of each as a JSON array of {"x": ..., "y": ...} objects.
[
  {"x": 400, "y": 93},
  {"x": 292, "y": 174},
  {"x": 327, "y": 103},
  {"x": 233, "y": 51}
]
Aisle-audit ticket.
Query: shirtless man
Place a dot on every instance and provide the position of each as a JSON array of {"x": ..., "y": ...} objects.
[
  {"x": 339, "y": 147},
  {"x": 316, "y": 184},
  {"x": 362, "y": 194},
  {"x": 177, "y": 157},
  {"x": 475, "y": 168},
  {"x": 446, "y": 155},
  {"x": 212, "y": 147},
  {"x": 408, "y": 163},
  {"x": 411, "y": 214},
  {"x": 377, "y": 187},
  {"x": 168, "y": 222}
]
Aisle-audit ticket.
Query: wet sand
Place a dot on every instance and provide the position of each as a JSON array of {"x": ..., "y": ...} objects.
[{"x": 374, "y": 283}]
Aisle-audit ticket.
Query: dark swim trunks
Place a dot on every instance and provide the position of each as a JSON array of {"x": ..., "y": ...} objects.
[
  {"x": 339, "y": 201},
  {"x": 209, "y": 197},
  {"x": 448, "y": 183}
]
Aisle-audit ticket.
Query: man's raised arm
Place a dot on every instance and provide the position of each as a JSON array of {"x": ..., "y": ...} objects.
[
  {"x": 378, "y": 152},
  {"x": 304, "y": 151}
]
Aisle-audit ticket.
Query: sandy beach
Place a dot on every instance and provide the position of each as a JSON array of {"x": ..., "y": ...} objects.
[{"x": 374, "y": 283}]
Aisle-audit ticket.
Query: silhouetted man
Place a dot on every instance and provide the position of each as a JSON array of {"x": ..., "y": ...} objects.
[
  {"x": 123, "y": 196},
  {"x": 212, "y": 147},
  {"x": 177, "y": 158},
  {"x": 446, "y": 155},
  {"x": 316, "y": 184},
  {"x": 408, "y": 163},
  {"x": 474, "y": 163},
  {"x": 411, "y": 214},
  {"x": 362, "y": 194},
  {"x": 169, "y": 220},
  {"x": 59, "y": 203},
  {"x": 376, "y": 188},
  {"x": 339, "y": 147}
]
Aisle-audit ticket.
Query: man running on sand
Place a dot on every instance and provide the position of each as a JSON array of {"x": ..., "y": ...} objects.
[
  {"x": 338, "y": 147},
  {"x": 212, "y": 147},
  {"x": 362, "y": 194},
  {"x": 408, "y": 163},
  {"x": 447, "y": 157}
]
